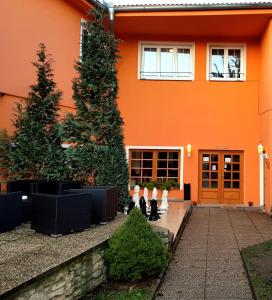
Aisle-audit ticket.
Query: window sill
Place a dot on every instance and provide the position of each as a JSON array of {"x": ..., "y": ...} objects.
[
  {"x": 166, "y": 79},
  {"x": 226, "y": 80}
]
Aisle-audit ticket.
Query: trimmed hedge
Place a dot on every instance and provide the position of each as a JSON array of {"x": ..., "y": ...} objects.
[{"x": 135, "y": 250}]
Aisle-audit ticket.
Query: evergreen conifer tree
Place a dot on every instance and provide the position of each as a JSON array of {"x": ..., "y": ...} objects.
[
  {"x": 135, "y": 250},
  {"x": 4, "y": 151},
  {"x": 98, "y": 116},
  {"x": 36, "y": 151}
]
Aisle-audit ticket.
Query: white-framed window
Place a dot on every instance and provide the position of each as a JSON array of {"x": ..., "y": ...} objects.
[
  {"x": 166, "y": 61},
  {"x": 226, "y": 62}
]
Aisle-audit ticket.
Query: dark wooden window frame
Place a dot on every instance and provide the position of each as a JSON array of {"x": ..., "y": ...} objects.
[{"x": 144, "y": 161}]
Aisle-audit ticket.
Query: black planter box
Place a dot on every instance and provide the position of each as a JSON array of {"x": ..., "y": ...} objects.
[
  {"x": 104, "y": 202},
  {"x": 56, "y": 187},
  {"x": 25, "y": 186},
  {"x": 10, "y": 211},
  {"x": 60, "y": 214},
  {"x": 26, "y": 210}
]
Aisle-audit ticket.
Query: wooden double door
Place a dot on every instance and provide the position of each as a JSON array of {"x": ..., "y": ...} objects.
[{"x": 221, "y": 177}]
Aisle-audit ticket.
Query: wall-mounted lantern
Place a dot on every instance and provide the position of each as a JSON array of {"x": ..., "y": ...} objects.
[
  {"x": 189, "y": 150},
  {"x": 260, "y": 148}
]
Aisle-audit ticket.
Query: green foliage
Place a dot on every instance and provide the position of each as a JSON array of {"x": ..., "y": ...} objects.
[
  {"x": 134, "y": 294},
  {"x": 162, "y": 185},
  {"x": 36, "y": 150},
  {"x": 168, "y": 185},
  {"x": 98, "y": 121},
  {"x": 4, "y": 150},
  {"x": 258, "y": 261},
  {"x": 150, "y": 185},
  {"x": 135, "y": 251}
]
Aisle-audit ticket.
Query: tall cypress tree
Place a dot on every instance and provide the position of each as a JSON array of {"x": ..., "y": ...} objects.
[
  {"x": 4, "y": 152},
  {"x": 95, "y": 94},
  {"x": 36, "y": 141}
]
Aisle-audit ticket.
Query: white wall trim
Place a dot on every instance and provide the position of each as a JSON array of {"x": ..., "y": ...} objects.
[{"x": 181, "y": 149}]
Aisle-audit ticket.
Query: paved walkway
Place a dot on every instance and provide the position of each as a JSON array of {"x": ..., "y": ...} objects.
[{"x": 207, "y": 262}]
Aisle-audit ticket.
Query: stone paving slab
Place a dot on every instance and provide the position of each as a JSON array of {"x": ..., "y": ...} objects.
[
  {"x": 183, "y": 292},
  {"x": 207, "y": 264}
]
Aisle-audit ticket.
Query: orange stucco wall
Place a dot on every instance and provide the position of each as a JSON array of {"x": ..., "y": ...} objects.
[
  {"x": 265, "y": 108},
  {"x": 24, "y": 24},
  {"x": 208, "y": 115}
]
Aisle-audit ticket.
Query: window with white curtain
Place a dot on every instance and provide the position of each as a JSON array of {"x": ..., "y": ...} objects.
[{"x": 226, "y": 63}]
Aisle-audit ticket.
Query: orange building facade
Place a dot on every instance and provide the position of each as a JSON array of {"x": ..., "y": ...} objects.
[{"x": 198, "y": 78}]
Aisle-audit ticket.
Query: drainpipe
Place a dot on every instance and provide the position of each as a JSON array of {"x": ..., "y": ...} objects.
[
  {"x": 111, "y": 16},
  {"x": 262, "y": 159}
]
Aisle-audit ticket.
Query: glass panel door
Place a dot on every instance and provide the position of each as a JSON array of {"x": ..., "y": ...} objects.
[
  {"x": 210, "y": 171},
  {"x": 232, "y": 171},
  {"x": 221, "y": 177}
]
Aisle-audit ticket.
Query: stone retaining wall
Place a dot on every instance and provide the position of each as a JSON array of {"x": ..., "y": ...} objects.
[
  {"x": 70, "y": 281},
  {"x": 76, "y": 277}
]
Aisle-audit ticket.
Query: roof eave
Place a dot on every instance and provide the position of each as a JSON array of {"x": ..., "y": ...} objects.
[{"x": 193, "y": 7}]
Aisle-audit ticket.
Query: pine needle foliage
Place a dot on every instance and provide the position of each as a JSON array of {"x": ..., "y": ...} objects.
[
  {"x": 4, "y": 152},
  {"x": 36, "y": 151},
  {"x": 95, "y": 94},
  {"x": 135, "y": 250}
]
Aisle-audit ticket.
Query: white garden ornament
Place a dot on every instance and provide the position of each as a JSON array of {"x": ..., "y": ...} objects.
[
  {"x": 154, "y": 194},
  {"x": 146, "y": 196},
  {"x": 164, "y": 203},
  {"x": 136, "y": 196}
]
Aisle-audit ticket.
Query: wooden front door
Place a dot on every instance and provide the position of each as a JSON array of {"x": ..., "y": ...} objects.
[{"x": 221, "y": 177}]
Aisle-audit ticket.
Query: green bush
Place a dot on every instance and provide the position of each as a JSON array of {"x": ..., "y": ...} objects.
[{"x": 135, "y": 251}]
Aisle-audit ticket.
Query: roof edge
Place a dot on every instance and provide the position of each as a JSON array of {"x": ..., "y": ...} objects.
[{"x": 142, "y": 8}]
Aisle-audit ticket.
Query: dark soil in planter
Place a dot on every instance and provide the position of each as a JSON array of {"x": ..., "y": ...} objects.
[
  {"x": 142, "y": 290},
  {"x": 258, "y": 260}
]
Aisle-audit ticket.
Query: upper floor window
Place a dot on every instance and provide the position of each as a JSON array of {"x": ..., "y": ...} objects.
[
  {"x": 167, "y": 62},
  {"x": 227, "y": 63}
]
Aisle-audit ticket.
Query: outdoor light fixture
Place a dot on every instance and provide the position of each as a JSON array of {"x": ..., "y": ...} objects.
[
  {"x": 260, "y": 148},
  {"x": 189, "y": 150}
]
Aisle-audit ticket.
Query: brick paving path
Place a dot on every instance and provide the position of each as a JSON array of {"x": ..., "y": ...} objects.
[{"x": 207, "y": 262}]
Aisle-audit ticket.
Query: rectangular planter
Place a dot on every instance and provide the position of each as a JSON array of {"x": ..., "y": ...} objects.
[
  {"x": 104, "y": 202},
  {"x": 56, "y": 187},
  {"x": 60, "y": 214},
  {"x": 25, "y": 186},
  {"x": 10, "y": 211}
]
